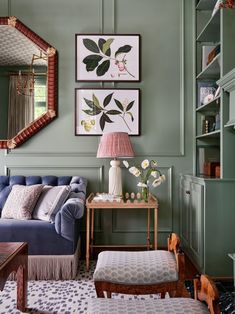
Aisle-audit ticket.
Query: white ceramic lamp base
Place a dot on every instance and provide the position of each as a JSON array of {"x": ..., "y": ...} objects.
[{"x": 115, "y": 178}]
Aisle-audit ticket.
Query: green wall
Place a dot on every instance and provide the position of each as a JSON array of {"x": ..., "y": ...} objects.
[{"x": 165, "y": 27}]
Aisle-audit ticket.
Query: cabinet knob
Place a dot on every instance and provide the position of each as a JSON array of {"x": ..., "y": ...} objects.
[{"x": 187, "y": 192}]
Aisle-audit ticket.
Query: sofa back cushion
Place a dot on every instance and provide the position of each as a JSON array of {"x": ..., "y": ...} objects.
[
  {"x": 50, "y": 202},
  {"x": 21, "y": 201},
  {"x": 78, "y": 184}
]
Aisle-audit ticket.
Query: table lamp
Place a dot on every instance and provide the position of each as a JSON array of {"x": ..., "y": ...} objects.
[{"x": 115, "y": 145}]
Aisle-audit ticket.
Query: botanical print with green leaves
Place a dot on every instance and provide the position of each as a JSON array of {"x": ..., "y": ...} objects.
[
  {"x": 106, "y": 110},
  {"x": 103, "y": 55}
]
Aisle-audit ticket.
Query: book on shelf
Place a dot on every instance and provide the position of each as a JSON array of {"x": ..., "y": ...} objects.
[{"x": 207, "y": 154}]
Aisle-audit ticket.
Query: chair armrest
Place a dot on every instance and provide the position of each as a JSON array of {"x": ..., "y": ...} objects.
[{"x": 66, "y": 219}]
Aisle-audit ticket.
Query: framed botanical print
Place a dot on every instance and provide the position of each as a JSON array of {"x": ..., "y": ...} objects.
[
  {"x": 107, "y": 57},
  {"x": 99, "y": 111}
]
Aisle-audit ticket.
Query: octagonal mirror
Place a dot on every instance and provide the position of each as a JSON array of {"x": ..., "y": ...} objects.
[{"x": 28, "y": 82}]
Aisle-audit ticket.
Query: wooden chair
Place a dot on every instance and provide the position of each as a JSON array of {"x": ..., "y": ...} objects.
[
  {"x": 144, "y": 272},
  {"x": 205, "y": 290}
]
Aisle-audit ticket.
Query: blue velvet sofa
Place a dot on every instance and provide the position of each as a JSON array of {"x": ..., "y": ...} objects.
[{"x": 54, "y": 248}]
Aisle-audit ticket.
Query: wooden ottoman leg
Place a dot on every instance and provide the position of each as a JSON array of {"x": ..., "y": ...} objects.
[{"x": 99, "y": 289}]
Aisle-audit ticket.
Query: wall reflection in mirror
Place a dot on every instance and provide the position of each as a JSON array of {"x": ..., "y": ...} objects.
[{"x": 23, "y": 82}]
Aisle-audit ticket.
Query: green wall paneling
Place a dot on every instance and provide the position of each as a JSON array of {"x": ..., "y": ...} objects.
[{"x": 165, "y": 27}]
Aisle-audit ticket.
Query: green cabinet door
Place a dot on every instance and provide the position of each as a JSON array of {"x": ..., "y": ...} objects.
[
  {"x": 196, "y": 216},
  {"x": 185, "y": 201}
]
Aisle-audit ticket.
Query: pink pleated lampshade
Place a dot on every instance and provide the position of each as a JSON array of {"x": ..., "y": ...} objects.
[{"x": 115, "y": 144}]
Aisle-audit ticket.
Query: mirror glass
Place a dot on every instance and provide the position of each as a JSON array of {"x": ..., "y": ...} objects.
[{"x": 27, "y": 82}]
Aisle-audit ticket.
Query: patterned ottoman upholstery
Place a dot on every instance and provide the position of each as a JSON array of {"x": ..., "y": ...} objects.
[
  {"x": 136, "y": 268},
  {"x": 163, "y": 306},
  {"x": 143, "y": 272}
]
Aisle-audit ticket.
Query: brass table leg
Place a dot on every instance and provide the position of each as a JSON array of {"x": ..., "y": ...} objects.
[
  {"x": 92, "y": 230},
  {"x": 155, "y": 228},
  {"x": 87, "y": 239},
  {"x": 148, "y": 230}
]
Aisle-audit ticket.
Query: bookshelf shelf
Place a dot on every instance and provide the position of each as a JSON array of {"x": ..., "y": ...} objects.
[
  {"x": 214, "y": 134},
  {"x": 214, "y": 37},
  {"x": 211, "y": 32},
  {"x": 205, "y": 5},
  {"x": 213, "y": 105},
  {"x": 212, "y": 71}
]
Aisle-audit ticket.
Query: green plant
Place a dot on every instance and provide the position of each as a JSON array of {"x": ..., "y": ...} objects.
[
  {"x": 124, "y": 110},
  {"x": 101, "y": 57}
]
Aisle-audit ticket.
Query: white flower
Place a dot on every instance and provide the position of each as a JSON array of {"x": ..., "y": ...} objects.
[
  {"x": 142, "y": 185},
  {"x": 154, "y": 174},
  {"x": 163, "y": 178},
  {"x": 135, "y": 171},
  {"x": 159, "y": 181},
  {"x": 145, "y": 164},
  {"x": 126, "y": 163},
  {"x": 154, "y": 163},
  {"x": 156, "y": 182}
]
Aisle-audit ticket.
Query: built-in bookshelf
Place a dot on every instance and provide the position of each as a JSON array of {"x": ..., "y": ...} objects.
[{"x": 214, "y": 45}]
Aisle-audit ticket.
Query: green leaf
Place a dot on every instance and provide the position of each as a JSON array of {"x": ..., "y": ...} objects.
[
  {"x": 131, "y": 115},
  {"x": 104, "y": 118},
  {"x": 90, "y": 45},
  {"x": 96, "y": 101},
  {"x": 123, "y": 49},
  {"x": 89, "y": 103},
  {"x": 113, "y": 112},
  {"x": 119, "y": 104},
  {"x": 130, "y": 105},
  {"x": 101, "y": 42},
  {"x": 107, "y": 100},
  {"x": 106, "y": 45},
  {"x": 92, "y": 62},
  {"x": 103, "y": 68},
  {"x": 102, "y": 122},
  {"x": 92, "y": 112}
]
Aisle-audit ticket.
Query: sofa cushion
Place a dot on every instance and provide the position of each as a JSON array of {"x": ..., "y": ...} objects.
[
  {"x": 21, "y": 201},
  {"x": 50, "y": 202}
]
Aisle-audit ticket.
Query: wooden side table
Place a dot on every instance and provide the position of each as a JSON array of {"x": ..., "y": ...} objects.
[{"x": 91, "y": 205}]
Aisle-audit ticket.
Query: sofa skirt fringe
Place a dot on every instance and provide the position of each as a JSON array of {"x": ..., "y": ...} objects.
[{"x": 53, "y": 267}]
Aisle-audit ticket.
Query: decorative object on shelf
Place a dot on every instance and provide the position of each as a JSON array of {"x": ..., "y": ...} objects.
[
  {"x": 206, "y": 49},
  {"x": 213, "y": 53},
  {"x": 206, "y": 91},
  {"x": 115, "y": 145},
  {"x": 100, "y": 111},
  {"x": 107, "y": 57},
  {"x": 210, "y": 168},
  {"x": 229, "y": 4},
  {"x": 208, "y": 124},
  {"x": 144, "y": 171},
  {"x": 217, "y": 6}
]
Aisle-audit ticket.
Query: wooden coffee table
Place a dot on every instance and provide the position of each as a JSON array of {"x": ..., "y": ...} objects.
[{"x": 14, "y": 258}]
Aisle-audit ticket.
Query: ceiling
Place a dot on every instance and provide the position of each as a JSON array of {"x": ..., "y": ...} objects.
[{"x": 16, "y": 49}]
